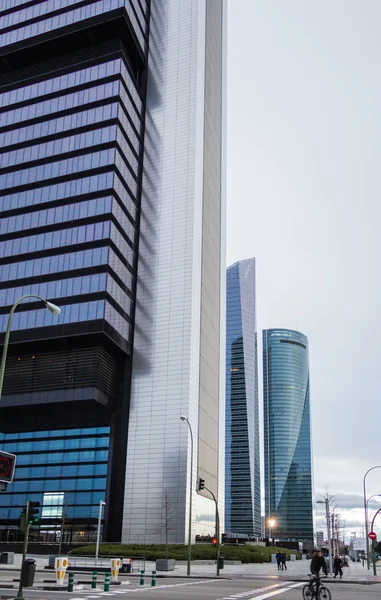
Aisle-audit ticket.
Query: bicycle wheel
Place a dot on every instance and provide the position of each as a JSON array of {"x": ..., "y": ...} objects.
[
  {"x": 306, "y": 592},
  {"x": 324, "y": 593}
]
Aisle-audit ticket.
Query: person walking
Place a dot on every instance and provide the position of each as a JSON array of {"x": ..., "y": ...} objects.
[
  {"x": 337, "y": 566},
  {"x": 277, "y": 556},
  {"x": 283, "y": 561}
]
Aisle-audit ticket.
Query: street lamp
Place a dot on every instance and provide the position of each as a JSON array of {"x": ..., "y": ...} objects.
[
  {"x": 190, "y": 500},
  {"x": 330, "y": 545},
  {"x": 55, "y": 310},
  {"x": 101, "y": 505},
  {"x": 271, "y": 523},
  {"x": 366, "y": 515}
]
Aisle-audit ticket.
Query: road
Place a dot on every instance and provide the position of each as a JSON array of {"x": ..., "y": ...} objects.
[{"x": 207, "y": 589}]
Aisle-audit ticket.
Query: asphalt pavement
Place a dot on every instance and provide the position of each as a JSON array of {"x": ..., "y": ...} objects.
[
  {"x": 236, "y": 582},
  {"x": 208, "y": 589}
]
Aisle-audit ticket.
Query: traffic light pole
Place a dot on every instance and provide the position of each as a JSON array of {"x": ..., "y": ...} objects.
[
  {"x": 24, "y": 551},
  {"x": 217, "y": 528}
]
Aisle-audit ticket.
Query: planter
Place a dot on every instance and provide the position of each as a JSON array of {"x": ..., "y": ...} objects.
[{"x": 165, "y": 564}]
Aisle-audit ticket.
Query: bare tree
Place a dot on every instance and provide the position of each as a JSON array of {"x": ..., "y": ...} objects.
[{"x": 166, "y": 519}]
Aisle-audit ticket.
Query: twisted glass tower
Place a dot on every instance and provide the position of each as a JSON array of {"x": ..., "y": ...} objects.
[
  {"x": 287, "y": 435},
  {"x": 242, "y": 462}
]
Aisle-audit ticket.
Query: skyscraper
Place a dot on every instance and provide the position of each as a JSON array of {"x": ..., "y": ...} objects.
[
  {"x": 287, "y": 435},
  {"x": 242, "y": 459},
  {"x": 112, "y": 206}
]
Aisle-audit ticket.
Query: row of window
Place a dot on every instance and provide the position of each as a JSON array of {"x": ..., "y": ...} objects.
[
  {"x": 54, "y": 105},
  {"x": 55, "y": 264},
  {"x": 77, "y": 164},
  {"x": 76, "y": 498},
  {"x": 65, "y": 470},
  {"x": 80, "y": 456},
  {"x": 56, "y": 239},
  {"x": 67, "y": 262},
  {"x": 73, "y": 512},
  {"x": 54, "y": 485},
  {"x": 34, "y": 12},
  {"x": 53, "y": 433},
  {"x": 59, "y": 146},
  {"x": 57, "y": 444},
  {"x": 74, "y": 286},
  {"x": 58, "y": 125},
  {"x": 59, "y": 214},
  {"x": 62, "y": 20},
  {"x": 72, "y": 313},
  {"x": 70, "y": 80}
]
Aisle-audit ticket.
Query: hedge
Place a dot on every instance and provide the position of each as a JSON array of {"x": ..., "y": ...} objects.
[{"x": 246, "y": 554}]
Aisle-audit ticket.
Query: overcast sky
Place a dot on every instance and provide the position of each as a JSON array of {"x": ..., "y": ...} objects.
[{"x": 304, "y": 171}]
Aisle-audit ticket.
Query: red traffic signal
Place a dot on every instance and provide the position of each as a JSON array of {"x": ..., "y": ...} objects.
[
  {"x": 372, "y": 535},
  {"x": 7, "y": 466},
  {"x": 214, "y": 541}
]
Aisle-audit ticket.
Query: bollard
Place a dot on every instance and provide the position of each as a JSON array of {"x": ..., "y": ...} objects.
[
  {"x": 153, "y": 582},
  {"x": 106, "y": 587},
  {"x": 141, "y": 577},
  {"x": 94, "y": 580},
  {"x": 70, "y": 585}
]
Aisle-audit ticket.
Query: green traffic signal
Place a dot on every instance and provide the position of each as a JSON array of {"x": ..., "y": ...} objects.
[
  {"x": 32, "y": 512},
  {"x": 201, "y": 484}
]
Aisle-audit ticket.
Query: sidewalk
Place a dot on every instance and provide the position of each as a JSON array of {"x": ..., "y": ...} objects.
[{"x": 296, "y": 570}]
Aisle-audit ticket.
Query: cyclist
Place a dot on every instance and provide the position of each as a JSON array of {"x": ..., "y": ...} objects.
[{"x": 317, "y": 563}]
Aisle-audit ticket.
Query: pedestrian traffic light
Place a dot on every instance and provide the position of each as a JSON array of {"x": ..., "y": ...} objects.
[
  {"x": 214, "y": 541},
  {"x": 201, "y": 484},
  {"x": 32, "y": 512}
]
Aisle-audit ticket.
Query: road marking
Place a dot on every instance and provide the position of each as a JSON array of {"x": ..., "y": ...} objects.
[
  {"x": 271, "y": 589},
  {"x": 280, "y": 591}
]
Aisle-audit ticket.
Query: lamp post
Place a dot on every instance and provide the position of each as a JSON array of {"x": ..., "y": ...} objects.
[
  {"x": 330, "y": 548},
  {"x": 49, "y": 305},
  {"x": 366, "y": 514},
  {"x": 272, "y": 524},
  {"x": 190, "y": 500},
  {"x": 101, "y": 505}
]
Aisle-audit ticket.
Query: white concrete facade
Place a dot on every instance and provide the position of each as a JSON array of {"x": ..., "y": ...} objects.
[{"x": 178, "y": 365}]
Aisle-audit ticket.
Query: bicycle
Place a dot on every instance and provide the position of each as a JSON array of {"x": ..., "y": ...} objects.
[{"x": 316, "y": 590}]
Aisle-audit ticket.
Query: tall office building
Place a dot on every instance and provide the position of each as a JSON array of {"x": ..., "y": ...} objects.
[
  {"x": 287, "y": 435},
  {"x": 112, "y": 207},
  {"x": 242, "y": 459}
]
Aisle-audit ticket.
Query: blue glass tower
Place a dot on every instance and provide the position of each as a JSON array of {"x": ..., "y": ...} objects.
[
  {"x": 287, "y": 435},
  {"x": 72, "y": 114},
  {"x": 242, "y": 459}
]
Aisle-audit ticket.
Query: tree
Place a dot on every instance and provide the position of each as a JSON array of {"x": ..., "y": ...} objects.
[{"x": 166, "y": 519}]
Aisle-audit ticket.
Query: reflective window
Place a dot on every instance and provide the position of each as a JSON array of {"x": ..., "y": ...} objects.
[
  {"x": 70, "y": 313},
  {"x": 55, "y": 264},
  {"x": 66, "y": 237},
  {"x": 75, "y": 286}
]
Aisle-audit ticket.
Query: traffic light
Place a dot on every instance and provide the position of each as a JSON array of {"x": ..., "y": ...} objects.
[
  {"x": 32, "y": 512},
  {"x": 201, "y": 484},
  {"x": 23, "y": 521},
  {"x": 214, "y": 541},
  {"x": 7, "y": 466}
]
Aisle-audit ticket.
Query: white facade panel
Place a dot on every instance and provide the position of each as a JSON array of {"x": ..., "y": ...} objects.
[{"x": 166, "y": 359}]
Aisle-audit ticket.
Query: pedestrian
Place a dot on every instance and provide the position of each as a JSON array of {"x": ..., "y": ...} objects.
[
  {"x": 283, "y": 561},
  {"x": 277, "y": 556},
  {"x": 337, "y": 566}
]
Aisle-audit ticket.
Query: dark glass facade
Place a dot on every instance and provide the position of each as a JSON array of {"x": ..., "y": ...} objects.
[
  {"x": 287, "y": 435},
  {"x": 242, "y": 458},
  {"x": 72, "y": 108}
]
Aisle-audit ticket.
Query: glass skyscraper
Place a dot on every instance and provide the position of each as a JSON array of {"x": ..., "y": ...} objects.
[
  {"x": 242, "y": 459},
  {"x": 287, "y": 435},
  {"x": 108, "y": 203}
]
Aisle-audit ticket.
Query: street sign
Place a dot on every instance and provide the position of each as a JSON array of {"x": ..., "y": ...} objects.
[
  {"x": 7, "y": 467},
  {"x": 372, "y": 535}
]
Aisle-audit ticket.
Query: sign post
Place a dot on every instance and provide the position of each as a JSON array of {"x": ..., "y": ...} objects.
[{"x": 373, "y": 536}]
